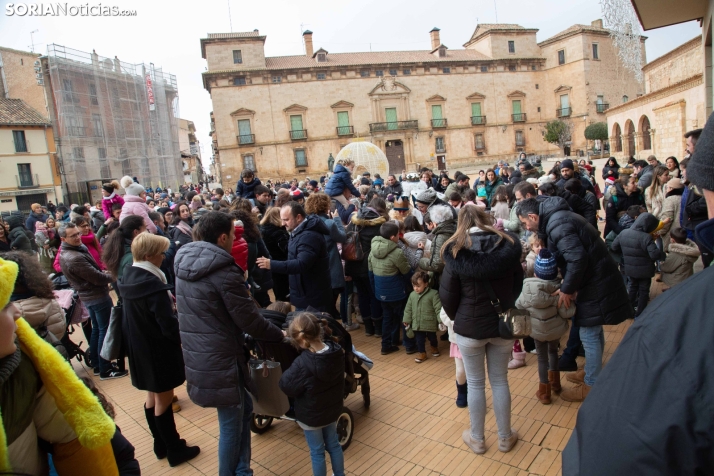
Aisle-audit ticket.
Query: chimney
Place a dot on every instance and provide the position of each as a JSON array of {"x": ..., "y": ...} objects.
[
  {"x": 307, "y": 38},
  {"x": 435, "y": 40},
  {"x": 597, "y": 23}
]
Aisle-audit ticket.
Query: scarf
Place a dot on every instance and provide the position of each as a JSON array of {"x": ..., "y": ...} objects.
[
  {"x": 151, "y": 268},
  {"x": 184, "y": 228},
  {"x": 109, "y": 197}
]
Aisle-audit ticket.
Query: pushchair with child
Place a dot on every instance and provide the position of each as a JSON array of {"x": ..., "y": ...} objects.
[
  {"x": 73, "y": 311},
  {"x": 356, "y": 372}
]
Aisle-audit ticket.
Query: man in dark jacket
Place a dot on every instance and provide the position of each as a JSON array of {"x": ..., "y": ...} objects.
[
  {"x": 639, "y": 253},
  {"x": 393, "y": 187},
  {"x": 18, "y": 237},
  {"x": 644, "y": 173},
  {"x": 35, "y": 216},
  {"x": 567, "y": 171},
  {"x": 308, "y": 263},
  {"x": 215, "y": 310},
  {"x": 85, "y": 276},
  {"x": 693, "y": 211},
  {"x": 626, "y": 194},
  {"x": 589, "y": 277},
  {"x": 651, "y": 411}
]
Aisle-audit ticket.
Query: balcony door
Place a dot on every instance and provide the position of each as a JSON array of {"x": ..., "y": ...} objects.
[
  {"x": 24, "y": 175},
  {"x": 244, "y": 133},
  {"x": 564, "y": 105},
  {"x": 390, "y": 115},
  {"x": 298, "y": 132}
]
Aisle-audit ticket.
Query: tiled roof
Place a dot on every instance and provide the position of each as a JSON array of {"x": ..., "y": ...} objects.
[
  {"x": 238, "y": 34},
  {"x": 372, "y": 58},
  {"x": 15, "y": 112},
  {"x": 572, "y": 31}
]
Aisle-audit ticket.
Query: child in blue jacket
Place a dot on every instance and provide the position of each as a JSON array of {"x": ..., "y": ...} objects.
[{"x": 341, "y": 181}]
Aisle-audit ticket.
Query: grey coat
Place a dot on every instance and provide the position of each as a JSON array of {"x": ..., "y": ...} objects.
[
  {"x": 679, "y": 264},
  {"x": 337, "y": 235},
  {"x": 548, "y": 322},
  {"x": 214, "y": 310}
]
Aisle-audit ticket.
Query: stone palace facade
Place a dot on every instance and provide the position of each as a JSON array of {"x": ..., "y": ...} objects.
[{"x": 441, "y": 108}]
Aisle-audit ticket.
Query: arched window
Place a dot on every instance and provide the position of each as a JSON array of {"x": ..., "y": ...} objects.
[
  {"x": 630, "y": 135},
  {"x": 617, "y": 137},
  {"x": 645, "y": 131}
]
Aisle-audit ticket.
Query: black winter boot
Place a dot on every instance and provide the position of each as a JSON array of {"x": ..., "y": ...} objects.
[
  {"x": 377, "y": 327},
  {"x": 177, "y": 450},
  {"x": 369, "y": 326},
  {"x": 462, "y": 395},
  {"x": 159, "y": 446}
]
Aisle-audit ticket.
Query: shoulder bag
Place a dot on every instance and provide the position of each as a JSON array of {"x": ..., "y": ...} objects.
[
  {"x": 111, "y": 348},
  {"x": 352, "y": 248},
  {"x": 513, "y": 323}
]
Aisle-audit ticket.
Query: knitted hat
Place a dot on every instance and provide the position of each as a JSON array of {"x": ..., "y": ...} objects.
[
  {"x": 544, "y": 179},
  {"x": 528, "y": 166},
  {"x": 567, "y": 164},
  {"x": 700, "y": 170},
  {"x": 428, "y": 196},
  {"x": 313, "y": 183},
  {"x": 545, "y": 266},
  {"x": 8, "y": 274},
  {"x": 675, "y": 183},
  {"x": 297, "y": 195},
  {"x": 131, "y": 187}
]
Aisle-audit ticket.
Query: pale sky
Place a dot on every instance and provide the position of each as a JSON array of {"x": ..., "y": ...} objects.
[{"x": 168, "y": 33}]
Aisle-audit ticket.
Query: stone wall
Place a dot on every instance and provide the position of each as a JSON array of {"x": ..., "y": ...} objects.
[
  {"x": 19, "y": 69},
  {"x": 679, "y": 64}
]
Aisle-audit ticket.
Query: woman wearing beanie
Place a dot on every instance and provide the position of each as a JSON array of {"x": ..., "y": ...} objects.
[
  {"x": 135, "y": 202},
  {"x": 110, "y": 197},
  {"x": 548, "y": 321},
  {"x": 44, "y": 398}
]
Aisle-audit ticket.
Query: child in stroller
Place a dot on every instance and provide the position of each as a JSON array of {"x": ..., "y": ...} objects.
[{"x": 356, "y": 367}]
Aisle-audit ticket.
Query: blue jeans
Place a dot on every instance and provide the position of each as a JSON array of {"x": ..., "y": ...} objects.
[
  {"x": 325, "y": 439},
  {"x": 594, "y": 343},
  {"x": 496, "y": 352},
  {"x": 392, "y": 315},
  {"x": 234, "y": 440},
  {"x": 99, "y": 314},
  {"x": 573, "y": 344}
]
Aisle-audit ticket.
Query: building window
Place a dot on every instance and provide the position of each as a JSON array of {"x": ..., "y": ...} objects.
[
  {"x": 533, "y": 67},
  {"x": 596, "y": 53},
  {"x": 364, "y": 73},
  {"x": 102, "y": 153},
  {"x": 478, "y": 142},
  {"x": 511, "y": 67},
  {"x": 104, "y": 169},
  {"x": 24, "y": 172},
  {"x": 68, "y": 93},
  {"x": 379, "y": 73},
  {"x": 484, "y": 69},
  {"x": 407, "y": 72},
  {"x": 277, "y": 79},
  {"x": 442, "y": 52},
  {"x": 511, "y": 46},
  {"x": 20, "y": 143},
  {"x": 561, "y": 57},
  {"x": 517, "y": 111},
  {"x": 249, "y": 163},
  {"x": 75, "y": 126},
  {"x": 536, "y": 85},
  {"x": 97, "y": 125},
  {"x": 237, "y": 57},
  {"x": 440, "y": 147},
  {"x": 343, "y": 123},
  {"x": 245, "y": 135},
  {"x": 296, "y": 127},
  {"x": 446, "y": 70},
  {"x": 93, "y": 94},
  {"x": 78, "y": 152},
  {"x": 300, "y": 158},
  {"x": 625, "y": 98},
  {"x": 321, "y": 57},
  {"x": 392, "y": 72},
  {"x": 320, "y": 76},
  {"x": 239, "y": 81},
  {"x": 520, "y": 139}
]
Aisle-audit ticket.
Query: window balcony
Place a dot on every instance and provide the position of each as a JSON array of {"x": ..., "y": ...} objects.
[
  {"x": 563, "y": 112},
  {"x": 393, "y": 126},
  {"x": 27, "y": 181},
  {"x": 299, "y": 134},
  {"x": 345, "y": 130},
  {"x": 438, "y": 123},
  {"x": 246, "y": 139},
  {"x": 602, "y": 107},
  {"x": 478, "y": 120},
  {"x": 519, "y": 117}
]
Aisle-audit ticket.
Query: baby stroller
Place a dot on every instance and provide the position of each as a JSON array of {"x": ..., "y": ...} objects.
[
  {"x": 72, "y": 307},
  {"x": 356, "y": 373}
]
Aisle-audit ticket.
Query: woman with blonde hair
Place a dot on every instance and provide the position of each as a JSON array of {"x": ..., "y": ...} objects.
[
  {"x": 481, "y": 261},
  {"x": 151, "y": 334}
]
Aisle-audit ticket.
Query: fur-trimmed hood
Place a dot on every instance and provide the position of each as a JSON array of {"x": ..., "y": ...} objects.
[
  {"x": 368, "y": 217},
  {"x": 689, "y": 248},
  {"x": 489, "y": 256}
]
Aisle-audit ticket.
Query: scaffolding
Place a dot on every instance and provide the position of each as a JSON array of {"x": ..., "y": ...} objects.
[{"x": 112, "y": 119}]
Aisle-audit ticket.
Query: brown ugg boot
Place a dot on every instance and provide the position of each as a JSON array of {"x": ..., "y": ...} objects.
[
  {"x": 576, "y": 393},
  {"x": 543, "y": 393},
  {"x": 576, "y": 377},
  {"x": 554, "y": 381}
]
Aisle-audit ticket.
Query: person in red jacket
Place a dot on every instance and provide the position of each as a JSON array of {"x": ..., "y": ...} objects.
[{"x": 239, "y": 251}]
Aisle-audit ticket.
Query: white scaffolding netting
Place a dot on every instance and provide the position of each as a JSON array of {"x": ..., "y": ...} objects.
[
  {"x": 620, "y": 18},
  {"x": 105, "y": 127},
  {"x": 367, "y": 158}
]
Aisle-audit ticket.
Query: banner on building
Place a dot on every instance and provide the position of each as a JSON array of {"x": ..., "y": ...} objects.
[{"x": 150, "y": 92}]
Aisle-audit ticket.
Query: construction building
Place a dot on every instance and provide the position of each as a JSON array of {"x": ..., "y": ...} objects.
[{"x": 111, "y": 119}]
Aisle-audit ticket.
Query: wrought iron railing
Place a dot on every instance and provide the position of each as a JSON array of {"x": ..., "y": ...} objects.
[
  {"x": 478, "y": 120},
  {"x": 393, "y": 126}
]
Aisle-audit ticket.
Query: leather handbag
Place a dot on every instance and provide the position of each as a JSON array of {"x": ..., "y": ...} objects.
[
  {"x": 111, "y": 348},
  {"x": 352, "y": 248},
  {"x": 268, "y": 400},
  {"x": 513, "y": 323}
]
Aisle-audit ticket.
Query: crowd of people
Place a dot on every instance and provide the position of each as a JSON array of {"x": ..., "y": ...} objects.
[{"x": 403, "y": 258}]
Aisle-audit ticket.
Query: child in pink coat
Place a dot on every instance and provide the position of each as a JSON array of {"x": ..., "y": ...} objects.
[
  {"x": 134, "y": 203},
  {"x": 110, "y": 197}
]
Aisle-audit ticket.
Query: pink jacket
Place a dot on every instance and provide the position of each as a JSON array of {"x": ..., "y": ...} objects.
[
  {"x": 107, "y": 204},
  {"x": 134, "y": 205}
]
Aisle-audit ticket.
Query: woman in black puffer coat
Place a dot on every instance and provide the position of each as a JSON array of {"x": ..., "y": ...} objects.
[
  {"x": 478, "y": 255},
  {"x": 276, "y": 239}
]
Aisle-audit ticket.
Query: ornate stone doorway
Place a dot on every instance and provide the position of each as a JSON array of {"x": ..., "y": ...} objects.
[{"x": 394, "y": 150}]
